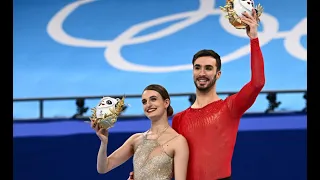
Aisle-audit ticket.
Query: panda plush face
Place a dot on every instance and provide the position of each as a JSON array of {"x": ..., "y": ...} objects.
[
  {"x": 241, "y": 6},
  {"x": 247, "y": 4},
  {"x": 107, "y": 102},
  {"x": 105, "y": 105}
]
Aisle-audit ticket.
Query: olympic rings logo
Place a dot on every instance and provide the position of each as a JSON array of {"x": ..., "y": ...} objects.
[{"x": 113, "y": 47}]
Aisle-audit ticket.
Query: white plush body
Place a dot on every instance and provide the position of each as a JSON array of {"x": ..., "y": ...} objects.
[{"x": 241, "y": 6}]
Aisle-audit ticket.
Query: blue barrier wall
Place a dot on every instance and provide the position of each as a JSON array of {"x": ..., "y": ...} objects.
[{"x": 268, "y": 147}]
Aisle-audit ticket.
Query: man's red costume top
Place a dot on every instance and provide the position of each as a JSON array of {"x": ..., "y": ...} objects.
[{"x": 211, "y": 131}]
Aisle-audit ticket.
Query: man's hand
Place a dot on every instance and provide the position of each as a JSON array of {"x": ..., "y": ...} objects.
[
  {"x": 252, "y": 24},
  {"x": 130, "y": 176}
]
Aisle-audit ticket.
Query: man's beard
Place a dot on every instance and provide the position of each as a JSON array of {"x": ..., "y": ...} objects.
[{"x": 208, "y": 87}]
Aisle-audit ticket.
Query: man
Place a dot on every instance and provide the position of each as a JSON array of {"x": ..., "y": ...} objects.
[{"x": 211, "y": 124}]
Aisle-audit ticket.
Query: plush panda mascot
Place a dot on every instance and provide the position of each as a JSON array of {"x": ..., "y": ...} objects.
[{"x": 235, "y": 8}]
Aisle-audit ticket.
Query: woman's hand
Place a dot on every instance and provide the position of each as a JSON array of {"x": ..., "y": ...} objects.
[{"x": 101, "y": 133}]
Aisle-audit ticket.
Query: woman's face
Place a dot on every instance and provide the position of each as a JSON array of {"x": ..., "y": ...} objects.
[{"x": 153, "y": 104}]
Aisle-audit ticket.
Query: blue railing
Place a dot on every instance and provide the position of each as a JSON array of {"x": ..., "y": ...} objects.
[{"x": 271, "y": 99}]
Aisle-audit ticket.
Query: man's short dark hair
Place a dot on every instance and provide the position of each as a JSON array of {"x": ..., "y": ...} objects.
[{"x": 207, "y": 52}]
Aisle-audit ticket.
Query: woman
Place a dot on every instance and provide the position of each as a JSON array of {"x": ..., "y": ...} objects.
[{"x": 157, "y": 153}]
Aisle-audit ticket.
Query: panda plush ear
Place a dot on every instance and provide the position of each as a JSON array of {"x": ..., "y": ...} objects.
[{"x": 118, "y": 100}]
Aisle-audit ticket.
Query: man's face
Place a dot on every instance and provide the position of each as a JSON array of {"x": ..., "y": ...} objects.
[{"x": 205, "y": 73}]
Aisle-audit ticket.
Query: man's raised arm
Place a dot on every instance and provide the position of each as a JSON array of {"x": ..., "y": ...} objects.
[{"x": 245, "y": 98}]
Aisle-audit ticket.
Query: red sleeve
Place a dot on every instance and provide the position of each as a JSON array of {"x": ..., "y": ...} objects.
[{"x": 244, "y": 99}]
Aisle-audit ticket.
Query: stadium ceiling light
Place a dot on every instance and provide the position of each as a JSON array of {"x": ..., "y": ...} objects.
[
  {"x": 81, "y": 109},
  {"x": 273, "y": 103},
  {"x": 305, "y": 97}
]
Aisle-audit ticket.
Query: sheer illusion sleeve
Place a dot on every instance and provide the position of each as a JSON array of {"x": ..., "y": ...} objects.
[{"x": 244, "y": 99}]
